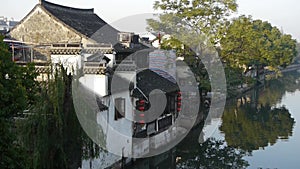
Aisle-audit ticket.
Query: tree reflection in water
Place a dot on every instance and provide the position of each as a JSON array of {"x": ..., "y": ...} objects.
[
  {"x": 213, "y": 154},
  {"x": 249, "y": 129},
  {"x": 256, "y": 121},
  {"x": 189, "y": 154},
  {"x": 54, "y": 138}
]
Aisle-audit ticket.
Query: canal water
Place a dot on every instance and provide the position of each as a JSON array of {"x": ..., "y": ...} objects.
[{"x": 258, "y": 130}]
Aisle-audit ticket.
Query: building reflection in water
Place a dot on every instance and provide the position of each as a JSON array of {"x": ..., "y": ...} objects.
[{"x": 251, "y": 122}]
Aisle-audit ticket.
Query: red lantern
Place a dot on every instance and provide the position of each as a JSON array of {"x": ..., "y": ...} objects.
[
  {"x": 179, "y": 101},
  {"x": 140, "y": 106}
]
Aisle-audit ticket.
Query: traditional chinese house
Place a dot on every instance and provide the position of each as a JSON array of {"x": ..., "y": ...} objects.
[{"x": 80, "y": 39}]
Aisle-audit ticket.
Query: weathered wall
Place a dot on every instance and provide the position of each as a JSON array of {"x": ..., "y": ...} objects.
[{"x": 41, "y": 28}]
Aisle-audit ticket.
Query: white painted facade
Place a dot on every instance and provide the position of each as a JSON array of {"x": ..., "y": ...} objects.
[
  {"x": 70, "y": 62},
  {"x": 96, "y": 83},
  {"x": 117, "y": 132}
]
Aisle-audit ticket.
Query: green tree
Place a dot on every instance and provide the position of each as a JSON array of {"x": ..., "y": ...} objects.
[
  {"x": 194, "y": 26},
  {"x": 52, "y": 133},
  {"x": 297, "y": 59},
  {"x": 17, "y": 93},
  {"x": 235, "y": 78},
  {"x": 203, "y": 17},
  {"x": 258, "y": 44}
]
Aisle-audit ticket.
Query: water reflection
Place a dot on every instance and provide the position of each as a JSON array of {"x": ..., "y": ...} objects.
[
  {"x": 189, "y": 154},
  {"x": 211, "y": 154},
  {"x": 249, "y": 123},
  {"x": 255, "y": 120},
  {"x": 250, "y": 129}
]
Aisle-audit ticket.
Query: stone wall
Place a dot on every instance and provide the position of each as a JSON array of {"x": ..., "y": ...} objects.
[{"x": 41, "y": 28}]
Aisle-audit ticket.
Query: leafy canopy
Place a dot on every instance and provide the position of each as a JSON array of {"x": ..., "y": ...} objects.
[
  {"x": 17, "y": 93},
  {"x": 254, "y": 42},
  {"x": 203, "y": 17},
  {"x": 195, "y": 27}
]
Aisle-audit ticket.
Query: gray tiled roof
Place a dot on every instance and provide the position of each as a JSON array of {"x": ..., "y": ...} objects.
[
  {"x": 13, "y": 23},
  {"x": 147, "y": 81},
  {"x": 3, "y": 32},
  {"x": 3, "y": 23},
  {"x": 85, "y": 21}
]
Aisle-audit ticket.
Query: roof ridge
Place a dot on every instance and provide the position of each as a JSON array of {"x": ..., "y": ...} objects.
[{"x": 65, "y": 8}]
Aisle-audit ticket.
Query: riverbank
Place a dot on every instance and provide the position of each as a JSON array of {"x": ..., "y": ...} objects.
[
  {"x": 236, "y": 92},
  {"x": 241, "y": 90},
  {"x": 247, "y": 127}
]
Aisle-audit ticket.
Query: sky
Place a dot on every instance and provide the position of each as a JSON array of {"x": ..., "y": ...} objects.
[{"x": 285, "y": 14}]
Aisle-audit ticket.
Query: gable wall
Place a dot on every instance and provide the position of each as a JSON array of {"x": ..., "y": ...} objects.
[{"x": 40, "y": 28}]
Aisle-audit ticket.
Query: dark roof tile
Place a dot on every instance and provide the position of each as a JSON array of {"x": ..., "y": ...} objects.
[
  {"x": 85, "y": 21},
  {"x": 147, "y": 81}
]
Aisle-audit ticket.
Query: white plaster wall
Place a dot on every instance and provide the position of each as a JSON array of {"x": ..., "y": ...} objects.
[
  {"x": 96, "y": 83},
  {"x": 69, "y": 62},
  {"x": 119, "y": 135},
  {"x": 118, "y": 132}
]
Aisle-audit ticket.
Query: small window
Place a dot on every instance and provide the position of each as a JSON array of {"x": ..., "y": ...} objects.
[
  {"x": 124, "y": 37},
  {"x": 171, "y": 104},
  {"x": 119, "y": 108},
  {"x": 73, "y": 45}
]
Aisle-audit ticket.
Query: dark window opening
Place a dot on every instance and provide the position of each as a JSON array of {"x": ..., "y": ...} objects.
[
  {"x": 119, "y": 108},
  {"x": 171, "y": 103},
  {"x": 164, "y": 123}
]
